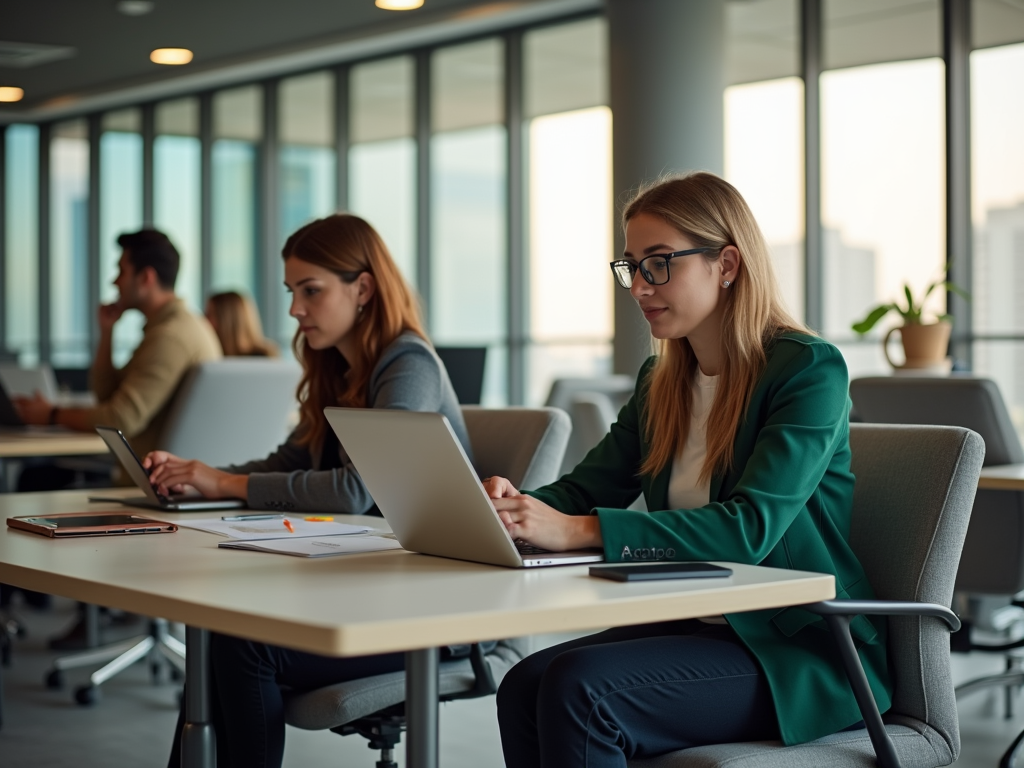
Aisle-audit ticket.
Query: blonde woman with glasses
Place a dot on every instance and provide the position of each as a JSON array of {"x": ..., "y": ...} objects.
[{"x": 738, "y": 438}]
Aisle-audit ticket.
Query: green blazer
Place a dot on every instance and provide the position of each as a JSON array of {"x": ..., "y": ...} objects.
[{"x": 785, "y": 504}]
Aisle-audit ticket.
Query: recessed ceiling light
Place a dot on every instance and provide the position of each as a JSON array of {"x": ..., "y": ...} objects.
[
  {"x": 135, "y": 7},
  {"x": 398, "y": 5},
  {"x": 171, "y": 56},
  {"x": 10, "y": 93}
]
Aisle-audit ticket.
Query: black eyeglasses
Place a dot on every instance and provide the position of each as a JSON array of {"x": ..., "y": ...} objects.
[{"x": 655, "y": 268}]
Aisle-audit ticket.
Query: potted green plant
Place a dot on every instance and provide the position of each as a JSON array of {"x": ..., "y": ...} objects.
[{"x": 924, "y": 343}]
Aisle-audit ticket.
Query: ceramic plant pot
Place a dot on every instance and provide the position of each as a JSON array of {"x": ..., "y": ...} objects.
[{"x": 924, "y": 345}]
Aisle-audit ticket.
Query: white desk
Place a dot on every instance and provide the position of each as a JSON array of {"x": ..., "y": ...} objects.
[
  {"x": 22, "y": 444},
  {"x": 1005, "y": 477},
  {"x": 355, "y": 604}
]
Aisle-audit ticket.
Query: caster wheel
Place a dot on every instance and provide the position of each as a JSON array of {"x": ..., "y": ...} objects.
[
  {"x": 55, "y": 679},
  {"x": 87, "y": 695}
]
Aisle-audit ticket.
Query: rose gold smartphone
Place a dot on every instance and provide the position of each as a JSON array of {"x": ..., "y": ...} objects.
[{"x": 90, "y": 524}]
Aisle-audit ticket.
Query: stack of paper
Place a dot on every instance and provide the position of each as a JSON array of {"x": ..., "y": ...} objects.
[
  {"x": 273, "y": 528},
  {"x": 333, "y": 545},
  {"x": 305, "y": 538}
]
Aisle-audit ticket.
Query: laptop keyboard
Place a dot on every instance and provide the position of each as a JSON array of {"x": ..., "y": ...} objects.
[{"x": 529, "y": 549}]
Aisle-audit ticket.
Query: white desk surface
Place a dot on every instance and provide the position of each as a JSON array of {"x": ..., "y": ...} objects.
[
  {"x": 24, "y": 444},
  {"x": 357, "y": 604},
  {"x": 1006, "y": 477}
]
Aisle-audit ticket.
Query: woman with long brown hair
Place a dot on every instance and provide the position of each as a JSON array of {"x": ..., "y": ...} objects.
[
  {"x": 738, "y": 438},
  {"x": 361, "y": 345},
  {"x": 237, "y": 324}
]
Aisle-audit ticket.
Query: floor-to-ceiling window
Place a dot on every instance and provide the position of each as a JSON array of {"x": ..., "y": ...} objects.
[
  {"x": 120, "y": 212},
  {"x": 997, "y": 110},
  {"x": 468, "y": 164},
  {"x": 764, "y": 147},
  {"x": 21, "y": 243},
  {"x": 176, "y": 183},
  {"x": 569, "y": 211},
  {"x": 237, "y": 132},
  {"x": 382, "y": 154},
  {"x": 308, "y": 162},
  {"x": 69, "y": 244},
  {"x": 882, "y": 165}
]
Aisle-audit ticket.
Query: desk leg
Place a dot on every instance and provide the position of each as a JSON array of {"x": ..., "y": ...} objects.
[
  {"x": 198, "y": 740},
  {"x": 421, "y": 690}
]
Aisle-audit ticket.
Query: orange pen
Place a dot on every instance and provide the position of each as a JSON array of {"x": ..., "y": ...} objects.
[
  {"x": 289, "y": 526},
  {"x": 319, "y": 519}
]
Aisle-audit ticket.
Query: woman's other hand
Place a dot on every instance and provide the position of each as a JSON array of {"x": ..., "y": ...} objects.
[
  {"x": 170, "y": 474},
  {"x": 498, "y": 487},
  {"x": 534, "y": 522}
]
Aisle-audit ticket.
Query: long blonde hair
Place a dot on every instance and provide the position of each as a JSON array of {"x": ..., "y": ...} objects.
[
  {"x": 237, "y": 323},
  {"x": 710, "y": 212},
  {"x": 348, "y": 246}
]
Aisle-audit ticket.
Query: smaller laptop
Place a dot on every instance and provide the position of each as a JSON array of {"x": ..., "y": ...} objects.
[
  {"x": 118, "y": 445},
  {"x": 425, "y": 486}
]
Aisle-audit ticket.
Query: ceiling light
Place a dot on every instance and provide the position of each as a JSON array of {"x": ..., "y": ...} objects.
[
  {"x": 171, "y": 56},
  {"x": 10, "y": 93},
  {"x": 135, "y": 7},
  {"x": 398, "y": 5}
]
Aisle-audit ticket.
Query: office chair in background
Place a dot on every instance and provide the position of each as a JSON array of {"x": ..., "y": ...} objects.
[
  {"x": 911, "y": 507},
  {"x": 993, "y": 558},
  {"x": 589, "y": 402},
  {"x": 465, "y": 366},
  {"x": 224, "y": 412},
  {"x": 524, "y": 445}
]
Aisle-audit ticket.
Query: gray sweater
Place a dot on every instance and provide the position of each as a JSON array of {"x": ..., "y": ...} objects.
[{"x": 409, "y": 376}]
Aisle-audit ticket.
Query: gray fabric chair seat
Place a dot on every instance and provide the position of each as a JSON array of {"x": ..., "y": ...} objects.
[
  {"x": 917, "y": 745},
  {"x": 343, "y": 703}
]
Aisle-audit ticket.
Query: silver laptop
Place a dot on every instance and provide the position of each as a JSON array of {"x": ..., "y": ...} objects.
[
  {"x": 425, "y": 486},
  {"x": 118, "y": 445}
]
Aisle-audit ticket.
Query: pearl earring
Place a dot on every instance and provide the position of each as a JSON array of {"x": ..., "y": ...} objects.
[{"x": 725, "y": 283}]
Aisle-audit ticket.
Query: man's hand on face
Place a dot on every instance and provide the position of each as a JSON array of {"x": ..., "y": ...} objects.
[{"x": 108, "y": 315}]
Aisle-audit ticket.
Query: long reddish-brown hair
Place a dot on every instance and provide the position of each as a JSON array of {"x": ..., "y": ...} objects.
[
  {"x": 348, "y": 246},
  {"x": 237, "y": 323},
  {"x": 710, "y": 212}
]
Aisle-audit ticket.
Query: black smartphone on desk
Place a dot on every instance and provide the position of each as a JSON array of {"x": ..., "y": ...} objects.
[{"x": 658, "y": 571}]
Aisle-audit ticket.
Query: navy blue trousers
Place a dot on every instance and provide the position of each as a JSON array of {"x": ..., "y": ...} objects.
[
  {"x": 248, "y": 695},
  {"x": 633, "y": 692}
]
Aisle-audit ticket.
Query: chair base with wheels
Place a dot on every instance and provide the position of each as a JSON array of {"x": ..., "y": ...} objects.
[
  {"x": 158, "y": 646},
  {"x": 374, "y": 707}
]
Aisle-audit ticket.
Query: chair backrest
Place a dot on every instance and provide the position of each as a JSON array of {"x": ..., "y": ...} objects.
[
  {"x": 27, "y": 381},
  {"x": 465, "y": 366},
  {"x": 232, "y": 410},
  {"x": 616, "y": 388},
  {"x": 592, "y": 414},
  {"x": 955, "y": 401},
  {"x": 911, "y": 506},
  {"x": 993, "y": 556},
  {"x": 524, "y": 445}
]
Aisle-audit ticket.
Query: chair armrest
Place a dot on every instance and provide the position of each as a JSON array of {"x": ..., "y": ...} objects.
[{"x": 885, "y": 608}]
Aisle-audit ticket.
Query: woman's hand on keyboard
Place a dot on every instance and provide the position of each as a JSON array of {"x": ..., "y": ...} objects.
[
  {"x": 534, "y": 522},
  {"x": 170, "y": 474}
]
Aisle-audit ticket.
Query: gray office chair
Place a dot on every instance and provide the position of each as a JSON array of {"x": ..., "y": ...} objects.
[
  {"x": 993, "y": 557},
  {"x": 911, "y": 506},
  {"x": 232, "y": 410},
  {"x": 524, "y": 445},
  {"x": 224, "y": 412},
  {"x": 611, "y": 392}
]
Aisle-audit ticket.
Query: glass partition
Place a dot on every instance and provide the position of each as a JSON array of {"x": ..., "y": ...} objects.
[
  {"x": 176, "y": 199},
  {"x": 382, "y": 155},
  {"x": 21, "y": 243},
  {"x": 237, "y": 133},
  {"x": 120, "y": 212},
  {"x": 468, "y": 149},
  {"x": 69, "y": 244},
  {"x": 569, "y": 203}
]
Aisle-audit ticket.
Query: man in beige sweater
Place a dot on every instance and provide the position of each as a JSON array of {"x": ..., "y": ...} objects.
[{"x": 137, "y": 398}]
